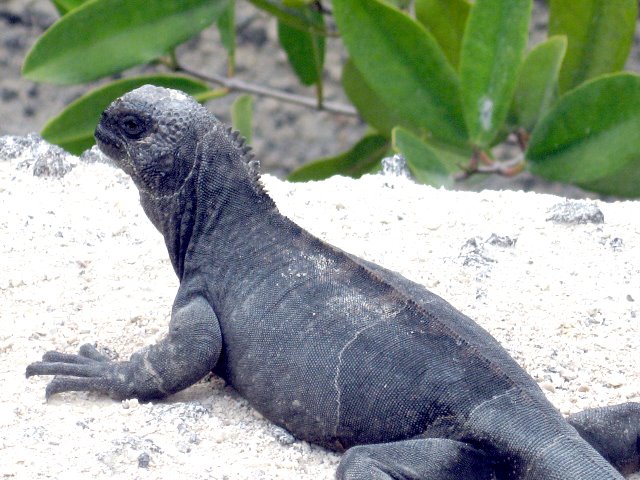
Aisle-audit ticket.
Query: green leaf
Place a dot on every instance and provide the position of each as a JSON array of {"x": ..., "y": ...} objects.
[
  {"x": 422, "y": 160},
  {"x": 446, "y": 20},
  {"x": 371, "y": 108},
  {"x": 73, "y": 128},
  {"x": 600, "y": 35},
  {"x": 404, "y": 66},
  {"x": 622, "y": 183},
  {"x": 355, "y": 162},
  {"x": 537, "y": 86},
  {"x": 241, "y": 115},
  {"x": 590, "y": 138},
  {"x": 296, "y": 3},
  {"x": 400, "y": 4},
  {"x": 305, "y": 49},
  {"x": 65, "y": 6},
  {"x": 453, "y": 158},
  {"x": 291, "y": 14},
  {"x": 102, "y": 37},
  {"x": 492, "y": 50},
  {"x": 227, "y": 28}
]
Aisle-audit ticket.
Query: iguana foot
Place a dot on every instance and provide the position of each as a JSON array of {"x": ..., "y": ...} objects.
[
  {"x": 432, "y": 458},
  {"x": 89, "y": 371}
]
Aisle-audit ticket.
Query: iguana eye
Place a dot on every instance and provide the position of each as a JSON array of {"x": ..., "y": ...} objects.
[{"x": 132, "y": 126}]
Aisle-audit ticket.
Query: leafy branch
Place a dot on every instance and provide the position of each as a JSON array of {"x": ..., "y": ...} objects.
[{"x": 443, "y": 83}]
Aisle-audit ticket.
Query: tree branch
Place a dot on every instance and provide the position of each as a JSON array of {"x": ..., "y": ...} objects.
[
  {"x": 234, "y": 84},
  {"x": 481, "y": 163}
]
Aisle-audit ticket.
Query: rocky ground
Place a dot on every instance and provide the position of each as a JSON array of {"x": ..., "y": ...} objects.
[{"x": 81, "y": 263}]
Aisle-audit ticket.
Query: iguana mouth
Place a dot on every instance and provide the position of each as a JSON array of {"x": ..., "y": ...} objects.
[
  {"x": 109, "y": 145},
  {"x": 114, "y": 148}
]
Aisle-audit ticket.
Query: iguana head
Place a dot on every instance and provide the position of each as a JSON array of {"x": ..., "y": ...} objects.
[{"x": 151, "y": 133}]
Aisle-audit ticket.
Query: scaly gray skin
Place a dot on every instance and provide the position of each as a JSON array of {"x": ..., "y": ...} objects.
[{"x": 337, "y": 350}]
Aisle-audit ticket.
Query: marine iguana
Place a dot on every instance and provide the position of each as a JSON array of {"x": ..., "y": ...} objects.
[{"x": 337, "y": 350}]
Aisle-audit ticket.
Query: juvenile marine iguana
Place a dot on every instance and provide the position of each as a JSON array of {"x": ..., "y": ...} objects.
[{"x": 339, "y": 351}]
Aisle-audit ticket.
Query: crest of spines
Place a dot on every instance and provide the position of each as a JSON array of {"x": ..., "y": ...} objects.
[{"x": 249, "y": 161}]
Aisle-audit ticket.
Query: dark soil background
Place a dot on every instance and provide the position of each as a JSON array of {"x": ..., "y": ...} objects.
[{"x": 285, "y": 135}]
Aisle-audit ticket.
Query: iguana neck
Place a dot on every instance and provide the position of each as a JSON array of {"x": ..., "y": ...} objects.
[
  {"x": 173, "y": 217},
  {"x": 219, "y": 200}
]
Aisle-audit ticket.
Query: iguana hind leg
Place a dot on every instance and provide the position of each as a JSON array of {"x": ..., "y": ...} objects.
[
  {"x": 614, "y": 432},
  {"x": 418, "y": 459}
]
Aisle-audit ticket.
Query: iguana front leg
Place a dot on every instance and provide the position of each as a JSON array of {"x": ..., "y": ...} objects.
[{"x": 186, "y": 354}]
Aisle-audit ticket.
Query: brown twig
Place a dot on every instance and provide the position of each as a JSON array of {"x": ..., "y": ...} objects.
[
  {"x": 233, "y": 84},
  {"x": 522, "y": 137},
  {"x": 507, "y": 168},
  {"x": 481, "y": 163}
]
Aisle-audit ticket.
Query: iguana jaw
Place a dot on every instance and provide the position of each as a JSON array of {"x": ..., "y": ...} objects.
[{"x": 111, "y": 146}]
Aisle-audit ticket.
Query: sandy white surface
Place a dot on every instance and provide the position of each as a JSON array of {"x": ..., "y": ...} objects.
[{"x": 81, "y": 263}]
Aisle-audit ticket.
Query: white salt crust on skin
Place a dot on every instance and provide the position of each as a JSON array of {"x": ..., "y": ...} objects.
[{"x": 81, "y": 263}]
